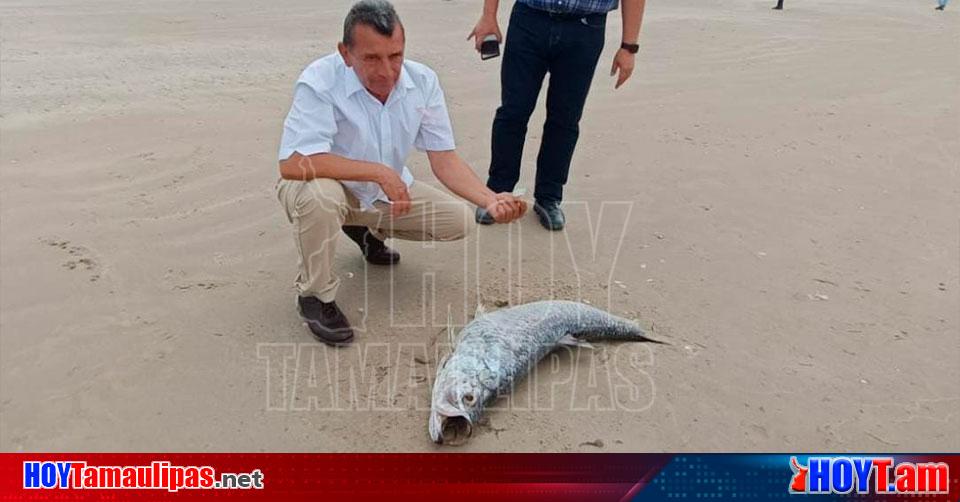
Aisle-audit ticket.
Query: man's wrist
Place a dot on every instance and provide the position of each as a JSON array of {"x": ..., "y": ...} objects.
[
  {"x": 381, "y": 173},
  {"x": 490, "y": 10},
  {"x": 630, "y": 47},
  {"x": 489, "y": 199}
]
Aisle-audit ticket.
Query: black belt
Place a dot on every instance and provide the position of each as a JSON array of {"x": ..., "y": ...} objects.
[{"x": 566, "y": 16}]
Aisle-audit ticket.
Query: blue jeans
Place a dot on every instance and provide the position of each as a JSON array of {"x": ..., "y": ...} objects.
[
  {"x": 943, "y": 3},
  {"x": 567, "y": 47}
]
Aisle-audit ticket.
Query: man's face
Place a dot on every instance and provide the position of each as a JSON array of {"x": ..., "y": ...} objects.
[{"x": 375, "y": 58}]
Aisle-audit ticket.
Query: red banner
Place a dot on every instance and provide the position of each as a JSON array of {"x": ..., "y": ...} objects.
[{"x": 582, "y": 477}]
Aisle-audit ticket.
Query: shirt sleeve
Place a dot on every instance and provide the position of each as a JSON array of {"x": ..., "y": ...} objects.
[
  {"x": 310, "y": 125},
  {"x": 436, "y": 133}
]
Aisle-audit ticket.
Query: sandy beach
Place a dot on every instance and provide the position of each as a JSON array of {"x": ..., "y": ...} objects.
[{"x": 775, "y": 194}]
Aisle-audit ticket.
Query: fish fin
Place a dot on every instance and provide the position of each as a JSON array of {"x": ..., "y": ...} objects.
[
  {"x": 572, "y": 341},
  {"x": 641, "y": 336},
  {"x": 481, "y": 310},
  {"x": 651, "y": 340}
]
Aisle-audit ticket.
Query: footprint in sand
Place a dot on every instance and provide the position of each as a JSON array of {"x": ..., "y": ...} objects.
[
  {"x": 80, "y": 257},
  {"x": 201, "y": 285}
]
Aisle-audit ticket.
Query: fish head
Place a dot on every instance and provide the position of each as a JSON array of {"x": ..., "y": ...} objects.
[{"x": 456, "y": 406}]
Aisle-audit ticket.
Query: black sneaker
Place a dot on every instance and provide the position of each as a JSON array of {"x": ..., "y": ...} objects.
[
  {"x": 325, "y": 320},
  {"x": 483, "y": 217},
  {"x": 373, "y": 249},
  {"x": 550, "y": 214}
]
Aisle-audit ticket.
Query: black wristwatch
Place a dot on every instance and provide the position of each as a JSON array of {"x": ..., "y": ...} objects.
[{"x": 631, "y": 48}]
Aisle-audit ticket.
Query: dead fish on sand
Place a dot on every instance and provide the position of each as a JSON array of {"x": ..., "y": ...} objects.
[{"x": 498, "y": 348}]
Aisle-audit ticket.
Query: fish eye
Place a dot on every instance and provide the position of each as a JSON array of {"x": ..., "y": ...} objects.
[{"x": 469, "y": 398}]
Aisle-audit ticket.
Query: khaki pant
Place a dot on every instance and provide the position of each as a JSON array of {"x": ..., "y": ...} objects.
[{"x": 318, "y": 208}]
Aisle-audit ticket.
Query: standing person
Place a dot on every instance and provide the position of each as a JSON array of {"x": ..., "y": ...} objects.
[
  {"x": 563, "y": 38},
  {"x": 779, "y": 5},
  {"x": 941, "y": 4},
  {"x": 355, "y": 117}
]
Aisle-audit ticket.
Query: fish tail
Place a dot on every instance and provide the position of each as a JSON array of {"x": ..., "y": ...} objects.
[
  {"x": 595, "y": 324},
  {"x": 621, "y": 329}
]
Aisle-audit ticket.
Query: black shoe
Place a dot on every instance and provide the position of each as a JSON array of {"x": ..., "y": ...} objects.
[
  {"x": 939, "y": 7},
  {"x": 551, "y": 216},
  {"x": 373, "y": 249},
  {"x": 325, "y": 320},
  {"x": 483, "y": 217}
]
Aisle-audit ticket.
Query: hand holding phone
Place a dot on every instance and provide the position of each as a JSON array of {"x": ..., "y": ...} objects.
[
  {"x": 490, "y": 47},
  {"x": 486, "y": 37}
]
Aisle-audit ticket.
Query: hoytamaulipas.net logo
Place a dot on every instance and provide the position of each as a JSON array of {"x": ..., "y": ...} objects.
[
  {"x": 159, "y": 475},
  {"x": 873, "y": 475}
]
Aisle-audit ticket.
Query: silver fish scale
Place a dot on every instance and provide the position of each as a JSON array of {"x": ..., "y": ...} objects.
[{"x": 501, "y": 346}]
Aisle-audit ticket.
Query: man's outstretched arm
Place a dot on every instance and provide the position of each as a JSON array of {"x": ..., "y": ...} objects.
[{"x": 457, "y": 176}]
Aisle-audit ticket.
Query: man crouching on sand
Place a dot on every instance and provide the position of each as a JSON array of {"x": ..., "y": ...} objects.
[{"x": 356, "y": 115}]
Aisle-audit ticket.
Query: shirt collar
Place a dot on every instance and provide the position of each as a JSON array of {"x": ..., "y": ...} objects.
[
  {"x": 406, "y": 82},
  {"x": 353, "y": 84}
]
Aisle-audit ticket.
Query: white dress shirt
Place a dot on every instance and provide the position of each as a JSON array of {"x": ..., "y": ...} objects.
[{"x": 332, "y": 112}]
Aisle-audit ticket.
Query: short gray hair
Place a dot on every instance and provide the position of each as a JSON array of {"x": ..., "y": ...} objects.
[{"x": 377, "y": 14}]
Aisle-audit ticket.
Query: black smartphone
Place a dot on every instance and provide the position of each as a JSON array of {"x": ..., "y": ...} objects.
[{"x": 490, "y": 47}]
